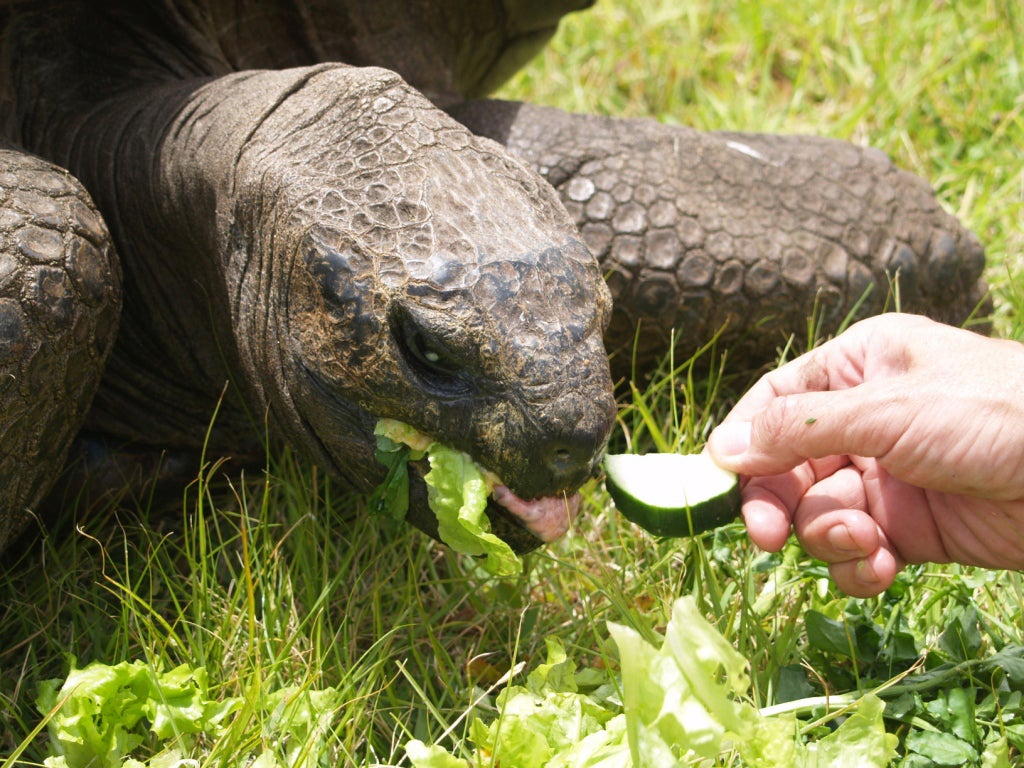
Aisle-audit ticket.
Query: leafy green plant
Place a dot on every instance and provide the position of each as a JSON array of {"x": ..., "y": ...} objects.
[
  {"x": 100, "y": 714},
  {"x": 683, "y": 702},
  {"x": 457, "y": 492}
]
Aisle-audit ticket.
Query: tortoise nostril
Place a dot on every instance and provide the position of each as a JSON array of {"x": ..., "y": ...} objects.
[{"x": 569, "y": 463}]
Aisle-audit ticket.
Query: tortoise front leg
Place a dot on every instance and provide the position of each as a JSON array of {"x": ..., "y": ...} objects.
[
  {"x": 60, "y": 298},
  {"x": 753, "y": 232}
]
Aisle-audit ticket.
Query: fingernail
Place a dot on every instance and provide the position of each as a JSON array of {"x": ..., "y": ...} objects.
[
  {"x": 866, "y": 572},
  {"x": 841, "y": 541},
  {"x": 731, "y": 438}
]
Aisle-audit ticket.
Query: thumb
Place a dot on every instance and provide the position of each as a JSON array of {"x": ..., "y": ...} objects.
[
  {"x": 794, "y": 428},
  {"x": 729, "y": 443}
]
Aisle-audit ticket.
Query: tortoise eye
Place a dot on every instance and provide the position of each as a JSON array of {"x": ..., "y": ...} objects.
[
  {"x": 428, "y": 352},
  {"x": 429, "y": 358}
]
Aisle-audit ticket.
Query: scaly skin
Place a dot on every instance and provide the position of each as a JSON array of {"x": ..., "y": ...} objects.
[
  {"x": 59, "y": 302},
  {"x": 752, "y": 233}
]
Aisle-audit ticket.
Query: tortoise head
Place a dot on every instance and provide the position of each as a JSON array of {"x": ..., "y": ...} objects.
[{"x": 435, "y": 280}]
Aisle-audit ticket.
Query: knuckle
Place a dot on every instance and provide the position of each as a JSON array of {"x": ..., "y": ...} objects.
[{"x": 814, "y": 373}]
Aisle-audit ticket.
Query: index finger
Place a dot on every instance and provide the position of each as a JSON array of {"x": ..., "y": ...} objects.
[{"x": 836, "y": 364}]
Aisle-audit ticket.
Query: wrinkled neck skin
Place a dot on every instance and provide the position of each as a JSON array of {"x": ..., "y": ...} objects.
[{"x": 341, "y": 250}]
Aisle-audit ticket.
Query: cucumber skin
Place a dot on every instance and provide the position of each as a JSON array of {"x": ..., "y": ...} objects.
[{"x": 709, "y": 515}]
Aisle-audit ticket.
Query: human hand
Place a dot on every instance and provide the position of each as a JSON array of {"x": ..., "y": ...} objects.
[{"x": 899, "y": 441}]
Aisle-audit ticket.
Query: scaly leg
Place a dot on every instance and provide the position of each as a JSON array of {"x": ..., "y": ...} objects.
[{"x": 59, "y": 304}]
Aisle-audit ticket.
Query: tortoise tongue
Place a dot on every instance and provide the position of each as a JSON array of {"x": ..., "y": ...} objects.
[{"x": 547, "y": 518}]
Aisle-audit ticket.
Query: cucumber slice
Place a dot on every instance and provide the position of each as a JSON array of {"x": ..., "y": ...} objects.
[{"x": 672, "y": 494}]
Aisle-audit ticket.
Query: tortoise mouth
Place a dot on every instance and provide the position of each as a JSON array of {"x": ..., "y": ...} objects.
[
  {"x": 524, "y": 525},
  {"x": 547, "y": 517},
  {"x": 510, "y": 525}
]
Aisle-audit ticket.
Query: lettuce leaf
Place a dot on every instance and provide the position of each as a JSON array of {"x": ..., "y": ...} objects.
[
  {"x": 684, "y": 698},
  {"x": 101, "y": 707},
  {"x": 547, "y": 723},
  {"x": 105, "y": 710},
  {"x": 684, "y": 702},
  {"x": 457, "y": 492},
  {"x": 860, "y": 740},
  {"x": 391, "y": 498},
  {"x": 423, "y": 756}
]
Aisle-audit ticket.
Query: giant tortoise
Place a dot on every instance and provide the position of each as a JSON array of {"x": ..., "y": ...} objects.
[{"x": 303, "y": 216}]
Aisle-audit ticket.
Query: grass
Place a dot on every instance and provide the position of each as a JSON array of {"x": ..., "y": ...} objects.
[{"x": 282, "y": 580}]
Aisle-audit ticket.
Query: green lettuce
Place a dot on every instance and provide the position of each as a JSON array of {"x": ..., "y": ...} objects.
[
  {"x": 682, "y": 698},
  {"x": 423, "y": 756},
  {"x": 101, "y": 712},
  {"x": 546, "y": 723},
  {"x": 457, "y": 492},
  {"x": 683, "y": 702},
  {"x": 390, "y": 499}
]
